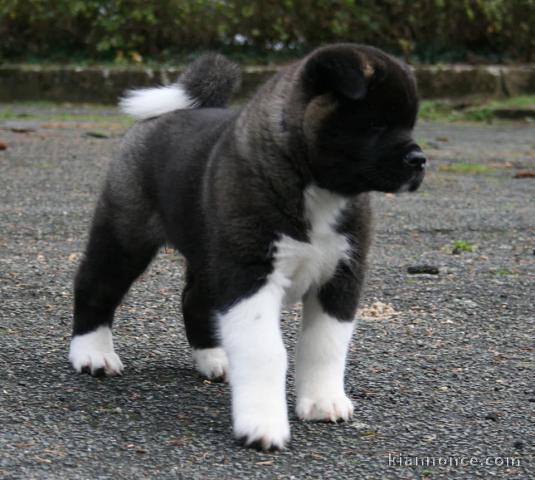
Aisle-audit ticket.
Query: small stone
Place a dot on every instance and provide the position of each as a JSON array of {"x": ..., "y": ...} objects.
[
  {"x": 518, "y": 445},
  {"x": 97, "y": 134},
  {"x": 423, "y": 269},
  {"x": 470, "y": 304},
  {"x": 20, "y": 126}
]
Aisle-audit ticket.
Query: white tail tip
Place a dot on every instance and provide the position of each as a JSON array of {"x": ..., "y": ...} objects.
[{"x": 155, "y": 101}]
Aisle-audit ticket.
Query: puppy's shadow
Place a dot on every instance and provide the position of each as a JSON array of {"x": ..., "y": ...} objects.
[{"x": 174, "y": 398}]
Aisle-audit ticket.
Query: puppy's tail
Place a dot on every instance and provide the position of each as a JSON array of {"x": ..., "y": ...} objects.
[{"x": 208, "y": 82}]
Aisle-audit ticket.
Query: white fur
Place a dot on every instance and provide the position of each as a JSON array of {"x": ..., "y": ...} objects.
[
  {"x": 94, "y": 350},
  {"x": 312, "y": 263},
  {"x": 212, "y": 363},
  {"x": 155, "y": 101},
  {"x": 320, "y": 365},
  {"x": 251, "y": 336}
]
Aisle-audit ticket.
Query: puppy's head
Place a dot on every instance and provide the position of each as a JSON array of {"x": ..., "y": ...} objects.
[{"x": 360, "y": 108}]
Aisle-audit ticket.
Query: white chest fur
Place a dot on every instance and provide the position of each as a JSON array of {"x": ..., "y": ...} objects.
[{"x": 304, "y": 265}]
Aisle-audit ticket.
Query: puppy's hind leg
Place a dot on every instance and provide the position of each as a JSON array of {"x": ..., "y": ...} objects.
[
  {"x": 201, "y": 329},
  {"x": 114, "y": 258}
]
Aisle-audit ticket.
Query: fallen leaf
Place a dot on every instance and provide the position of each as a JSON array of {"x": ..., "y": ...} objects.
[
  {"x": 74, "y": 257},
  {"x": 177, "y": 442},
  {"x": 23, "y": 445},
  {"x": 56, "y": 453},
  {"x": 3, "y": 146},
  {"x": 378, "y": 310},
  {"x": 525, "y": 174}
]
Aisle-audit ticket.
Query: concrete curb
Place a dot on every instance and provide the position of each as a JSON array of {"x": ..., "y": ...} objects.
[{"x": 106, "y": 84}]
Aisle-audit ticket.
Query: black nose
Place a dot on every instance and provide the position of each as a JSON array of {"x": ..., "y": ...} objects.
[{"x": 415, "y": 159}]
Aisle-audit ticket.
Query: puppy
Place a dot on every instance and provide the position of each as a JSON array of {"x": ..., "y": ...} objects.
[{"x": 269, "y": 206}]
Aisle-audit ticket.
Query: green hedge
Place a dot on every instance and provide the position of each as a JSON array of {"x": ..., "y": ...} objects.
[{"x": 137, "y": 30}]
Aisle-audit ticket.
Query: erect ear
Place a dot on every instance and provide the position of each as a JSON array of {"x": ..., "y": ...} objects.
[{"x": 337, "y": 69}]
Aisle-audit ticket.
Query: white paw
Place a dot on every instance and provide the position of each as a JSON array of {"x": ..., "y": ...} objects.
[
  {"x": 329, "y": 408},
  {"x": 93, "y": 353},
  {"x": 262, "y": 431},
  {"x": 211, "y": 363}
]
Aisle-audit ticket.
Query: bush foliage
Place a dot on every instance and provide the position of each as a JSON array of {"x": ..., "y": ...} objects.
[{"x": 133, "y": 30}]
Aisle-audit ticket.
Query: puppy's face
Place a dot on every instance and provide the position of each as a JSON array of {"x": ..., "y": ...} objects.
[{"x": 358, "y": 121}]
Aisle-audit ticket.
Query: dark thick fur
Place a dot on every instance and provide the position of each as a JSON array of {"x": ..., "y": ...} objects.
[{"x": 223, "y": 186}]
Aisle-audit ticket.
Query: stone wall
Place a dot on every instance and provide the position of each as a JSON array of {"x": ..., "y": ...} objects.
[{"x": 105, "y": 85}]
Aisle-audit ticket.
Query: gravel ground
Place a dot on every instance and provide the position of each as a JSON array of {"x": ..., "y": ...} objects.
[{"x": 442, "y": 371}]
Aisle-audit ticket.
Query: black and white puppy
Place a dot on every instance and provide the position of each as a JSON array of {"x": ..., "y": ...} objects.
[{"x": 269, "y": 206}]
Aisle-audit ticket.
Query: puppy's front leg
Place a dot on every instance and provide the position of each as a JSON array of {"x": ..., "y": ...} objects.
[
  {"x": 251, "y": 336},
  {"x": 320, "y": 364}
]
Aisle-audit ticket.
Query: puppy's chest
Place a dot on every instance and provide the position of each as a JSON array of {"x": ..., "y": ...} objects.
[{"x": 308, "y": 264}]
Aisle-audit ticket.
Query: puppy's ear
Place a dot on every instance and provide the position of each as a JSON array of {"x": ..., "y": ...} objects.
[{"x": 340, "y": 70}]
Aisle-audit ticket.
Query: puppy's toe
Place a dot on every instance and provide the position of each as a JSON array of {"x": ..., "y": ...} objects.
[
  {"x": 266, "y": 434},
  {"x": 112, "y": 364},
  {"x": 211, "y": 363},
  {"x": 326, "y": 408},
  {"x": 98, "y": 364}
]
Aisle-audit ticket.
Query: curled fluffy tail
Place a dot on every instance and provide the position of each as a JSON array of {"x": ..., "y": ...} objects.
[{"x": 208, "y": 82}]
